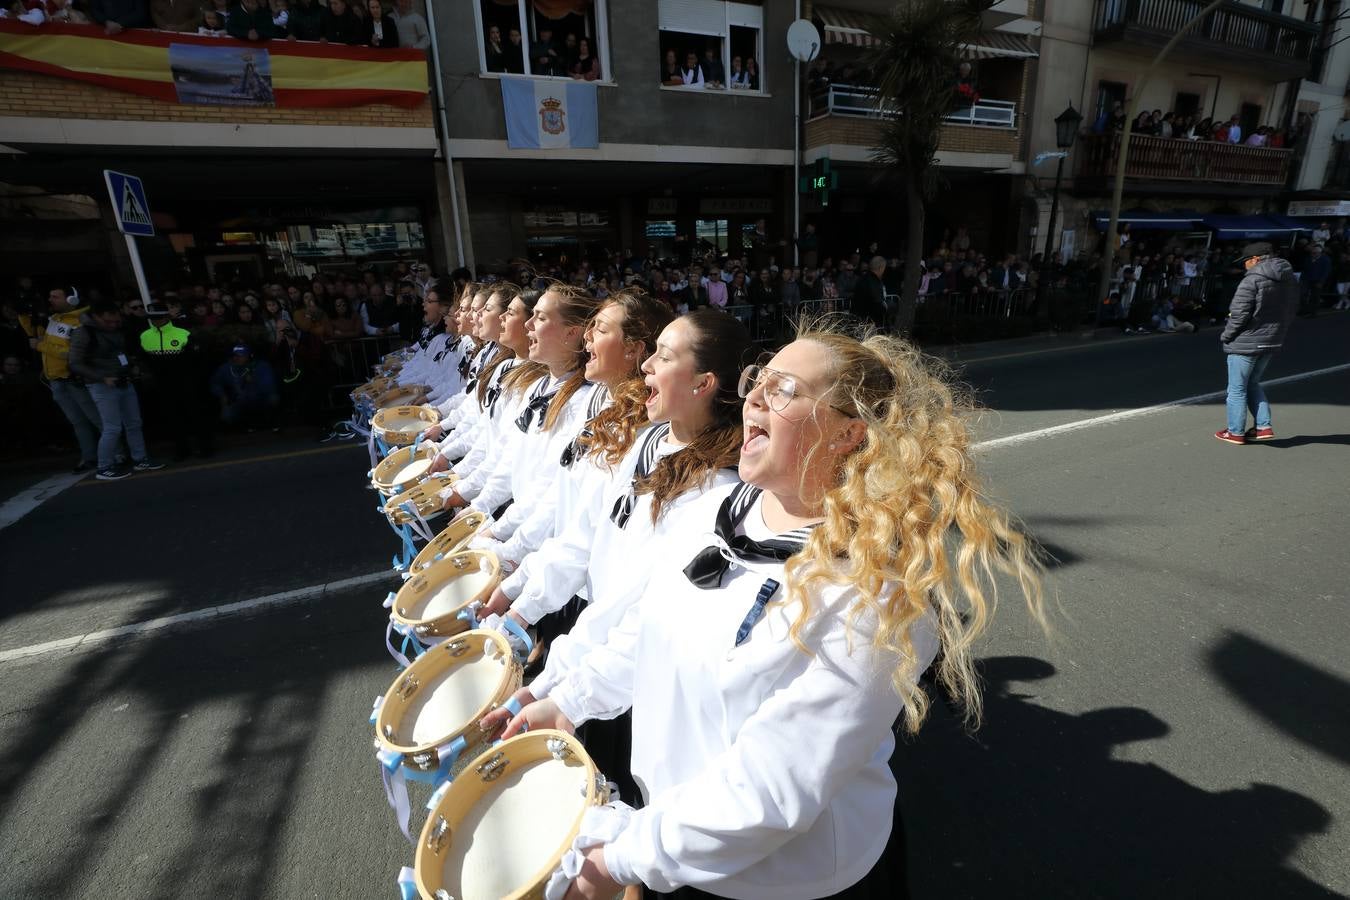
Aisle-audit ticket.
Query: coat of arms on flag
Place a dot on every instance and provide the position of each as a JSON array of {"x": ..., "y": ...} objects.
[{"x": 552, "y": 117}]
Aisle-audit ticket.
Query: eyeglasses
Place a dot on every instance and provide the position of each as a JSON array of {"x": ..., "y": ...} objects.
[{"x": 780, "y": 388}]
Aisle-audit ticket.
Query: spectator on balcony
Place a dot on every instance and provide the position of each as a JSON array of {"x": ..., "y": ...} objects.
[
  {"x": 739, "y": 79},
  {"x": 175, "y": 15},
  {"x": 1167, "y": 126},
  {"x": 752, "y": 72},
  {"x": 306, "y": 22},
  {"x": 691, "y": 75},
  {"x": 544, "y": 58},
  {"x": 967, "y": 93},
  {"x": 380, "y": 31},
  {"x": 212, "y": 24},
  {"x": 714, "y": 75},
  {"x": 412, "y": 27},
  {"x": 116, "y": 15},
  {"x": 250, "y": 21},
  {"x": 281, "y": 17},
  {"x": 670, "y": 70},
  {"x": 586, "y": 67},
  {"x": 62, "y": 11},
  {"x": 568, "y": 54},
  {"x": 339, "y": 25},
  {"x": 494, "y": 53},
  {"x": 1234, "y": 130}
]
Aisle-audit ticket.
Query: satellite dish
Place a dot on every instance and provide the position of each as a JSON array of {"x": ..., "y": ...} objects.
[
  {"x": 1342, "y": 132},
  {"x": 803, "y": 40}
]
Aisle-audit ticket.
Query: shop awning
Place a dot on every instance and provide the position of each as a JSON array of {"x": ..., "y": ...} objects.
[
  {"x": 1241, "y": 228},
  {"x": 998, "y": 45},
  {"x": 844, "y": 26},
  {"x": 1147, "y": 220}
]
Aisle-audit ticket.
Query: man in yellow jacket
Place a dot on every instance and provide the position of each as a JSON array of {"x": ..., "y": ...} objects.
[{"x": 68, "y": 390}]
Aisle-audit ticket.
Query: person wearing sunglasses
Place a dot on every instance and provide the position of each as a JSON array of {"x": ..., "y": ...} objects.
[{"x": 766, "y": 670}]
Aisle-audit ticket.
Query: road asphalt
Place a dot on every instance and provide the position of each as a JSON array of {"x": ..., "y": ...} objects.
[{"x": 1184, "y": 732}]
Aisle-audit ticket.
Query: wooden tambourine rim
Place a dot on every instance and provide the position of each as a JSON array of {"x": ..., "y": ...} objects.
[
  {"x": 395, "y": 461},
  {"x": 375, "y": 386},
  {"x": 401, "y": 395},
  {"x": 432, "y": 573},
  {"x": 429, "y": 417},
  {"x": 433, "y": 663},
  {"x": 422, "y": 490},
  {"x": 465, "y": 527},
  {"x": 534, "y": 745}
]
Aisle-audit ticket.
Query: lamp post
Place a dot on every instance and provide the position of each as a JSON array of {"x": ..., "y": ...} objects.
[{"x": 1066, "y": 132}]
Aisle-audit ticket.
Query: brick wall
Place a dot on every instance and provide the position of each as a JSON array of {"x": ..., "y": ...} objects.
[
  {"x": 43, "y": 96},
  {"x": 957, "y": 138}
]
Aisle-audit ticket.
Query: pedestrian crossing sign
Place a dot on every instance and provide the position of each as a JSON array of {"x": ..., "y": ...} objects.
[{"x": 129, "y": 204}]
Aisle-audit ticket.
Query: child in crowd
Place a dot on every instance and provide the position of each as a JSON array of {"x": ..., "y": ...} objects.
[
  {"x": 280, "y": 15},
  {"x": 212, "y": 24},
  {"x": 62, "y": 11},
  {"x": 222, "y": 9}
]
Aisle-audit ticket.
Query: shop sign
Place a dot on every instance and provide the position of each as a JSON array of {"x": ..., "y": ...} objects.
[
  {"x": 1315, "y": 208},
  {"x": 662, "y": 206},
  {"x": 735, "y": 206}
]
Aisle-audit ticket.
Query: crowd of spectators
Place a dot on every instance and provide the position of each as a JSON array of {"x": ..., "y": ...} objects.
[
  {"x": 686, "y": 67},
  {"x": 571, "y": 56},
  {"x": 366, "y": 23},
  {"x": 1195, "y": 127}
]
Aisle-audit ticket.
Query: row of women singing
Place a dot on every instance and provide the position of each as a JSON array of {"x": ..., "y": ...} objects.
[{"x": 741, "y": 570}]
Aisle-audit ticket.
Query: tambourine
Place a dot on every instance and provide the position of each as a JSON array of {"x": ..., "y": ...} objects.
[
  {"x": 437, "y": 601},
  {"x": 402, "y": 469},
  {"x": 454, "y": 537},
  {"x": 424, "y": 497},
  {"x": 399, "y": 426},
  {"x": 501, "y": 827},
  {"x": 373, "y": 388},
  {"x": 402, "y": 395}
]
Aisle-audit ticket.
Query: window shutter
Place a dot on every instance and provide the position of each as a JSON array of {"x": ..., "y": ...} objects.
[{"x": 693, "y": 16}]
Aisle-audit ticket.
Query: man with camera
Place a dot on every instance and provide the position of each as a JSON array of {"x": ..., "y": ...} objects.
[{"x": 98, "y": 354}]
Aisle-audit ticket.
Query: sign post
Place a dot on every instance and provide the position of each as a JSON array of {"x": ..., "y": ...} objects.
[{"x": 132, "y": 211}]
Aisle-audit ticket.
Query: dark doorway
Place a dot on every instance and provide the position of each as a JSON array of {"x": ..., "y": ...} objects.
[
  {"x": 1109, "y": 93},
  {"x": 1249, "y": 116},
  {"x": 1186, "y": 104}
]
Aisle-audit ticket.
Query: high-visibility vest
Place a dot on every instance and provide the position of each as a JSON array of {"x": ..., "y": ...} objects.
[{"x": 166, "y": 340}]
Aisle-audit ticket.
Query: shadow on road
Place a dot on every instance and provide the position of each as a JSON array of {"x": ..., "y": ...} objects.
[
  {"x": 1307, "y": 703},
  {"x": 1302, "y": 440},
  {"x": 1035, "y": 804}
]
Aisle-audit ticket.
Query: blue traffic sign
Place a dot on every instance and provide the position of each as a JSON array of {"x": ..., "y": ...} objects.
[{"x": 129, "y": 204}]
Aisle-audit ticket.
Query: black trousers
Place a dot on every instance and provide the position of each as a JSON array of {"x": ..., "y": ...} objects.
[
  {"x": 610, "y": 744},
  {"x": 886, "y": 880}
]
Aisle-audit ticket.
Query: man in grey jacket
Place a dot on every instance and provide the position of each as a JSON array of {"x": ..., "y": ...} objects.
[
  {"x": 1258, "y": 319},
  {"x": 98, "y": 355}
]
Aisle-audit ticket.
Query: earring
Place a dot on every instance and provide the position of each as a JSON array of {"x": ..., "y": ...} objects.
[
  {"x": 695, "y": 392},
  {"x": 832, "y": 446}
]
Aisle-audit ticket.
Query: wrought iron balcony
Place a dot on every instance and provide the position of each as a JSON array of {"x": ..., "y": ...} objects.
[
  {"x": 1158, "y": 159},
  {"x": 859, "y": 100},
  {"x": 1260, "y": 42}
]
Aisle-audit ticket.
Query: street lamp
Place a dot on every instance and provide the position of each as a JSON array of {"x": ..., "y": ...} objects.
[{"x": 1066, "y": 132}]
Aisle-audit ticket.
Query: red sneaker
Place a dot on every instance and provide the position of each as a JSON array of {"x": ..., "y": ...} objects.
[
  {"x": 1229, "y": 438},
  {"x": 1260, "y": 434}
]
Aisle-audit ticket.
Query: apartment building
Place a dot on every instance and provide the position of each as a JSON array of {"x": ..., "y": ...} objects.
[{"x": 265, "y": 158}]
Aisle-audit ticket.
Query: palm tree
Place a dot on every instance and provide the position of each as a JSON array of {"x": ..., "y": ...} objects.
[{"x": 915, "y": 61}]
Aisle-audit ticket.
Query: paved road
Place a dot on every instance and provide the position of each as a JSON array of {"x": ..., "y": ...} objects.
[{"x": 1183, "y": 734}]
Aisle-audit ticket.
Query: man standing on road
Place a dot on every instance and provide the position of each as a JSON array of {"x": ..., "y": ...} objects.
[
  {"x": 1258, "y": 318},
  {"x": 98, "y": 354},
  {"x": 63, "y": 319},
  {"x": 869, "y": 295}
]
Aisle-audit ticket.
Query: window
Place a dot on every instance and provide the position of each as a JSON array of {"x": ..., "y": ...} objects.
[
  {"x": 711, "y": 235},
  {"x": 545, "y": 38},
  {"x": 711, "y": 45}
]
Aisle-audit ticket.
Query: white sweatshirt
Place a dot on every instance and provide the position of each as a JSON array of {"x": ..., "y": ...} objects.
[
  {"x": 491, "y": 443},
  {"x": 765, "y": 769}
]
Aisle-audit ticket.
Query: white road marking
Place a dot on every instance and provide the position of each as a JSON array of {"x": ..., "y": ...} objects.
[
  {"x": 299, "y": 595},
  {"x": 1027, "y": 437},
  {"x": 284, "y": 598},
  {"x": 24, "y": 502}
]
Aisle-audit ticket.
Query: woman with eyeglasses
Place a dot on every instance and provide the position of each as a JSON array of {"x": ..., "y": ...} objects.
[{"x": 765, "y": 671}]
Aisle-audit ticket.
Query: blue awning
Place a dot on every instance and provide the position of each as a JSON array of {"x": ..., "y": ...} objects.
[
  {"x": 1147, "y": 220},
  {"x": 1242, "y": 228}
]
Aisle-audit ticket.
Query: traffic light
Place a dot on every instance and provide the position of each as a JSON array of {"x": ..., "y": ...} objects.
[{"x": 820, "y": 182}]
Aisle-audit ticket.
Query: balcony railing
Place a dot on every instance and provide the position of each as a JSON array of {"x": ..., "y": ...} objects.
[
  {"x": 1234, "y": 31},
  {"x": 1177, "y": 159},
  {"x": 859, "y": 100}
]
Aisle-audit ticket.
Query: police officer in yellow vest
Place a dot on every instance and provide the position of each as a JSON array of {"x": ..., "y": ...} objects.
[
  {"x": 174, "y": 361},
  {"x": 53, "y": 343}
]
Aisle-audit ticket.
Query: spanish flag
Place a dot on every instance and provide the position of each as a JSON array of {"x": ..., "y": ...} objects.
[{"x": 187, "y": 68}]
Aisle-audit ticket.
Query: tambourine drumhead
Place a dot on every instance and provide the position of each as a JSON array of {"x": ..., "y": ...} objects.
[
  {"x": 432, "y": 599},
  {"x": 400, "y": 425},
  {"x": 446, "y": 691},
  {"x": 453, "y": 538},
  {"x": 504, "y": 824},
  {"x": 401, "y": 469},
  {"x": 425, "y": 497}
]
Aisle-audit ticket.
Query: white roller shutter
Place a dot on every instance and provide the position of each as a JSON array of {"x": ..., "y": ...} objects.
[
  {"x": 693, "y": 16},
  {"x": 745, "y": 14}
]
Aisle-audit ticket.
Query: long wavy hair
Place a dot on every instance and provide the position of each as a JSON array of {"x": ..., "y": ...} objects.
[
  {"x": 613, "y": 431},
  {"x": 905, "y": 521},
  {"x": 508, "y": 292},
  {"x": 722, "y": 346},
  {"x": 576, "y": 308}
]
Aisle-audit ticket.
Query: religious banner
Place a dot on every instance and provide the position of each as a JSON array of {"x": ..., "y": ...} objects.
[{"x": 192, "y": 69}]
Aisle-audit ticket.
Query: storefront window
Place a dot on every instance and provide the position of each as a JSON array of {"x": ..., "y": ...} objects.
[{"x": 711, "y": 235}]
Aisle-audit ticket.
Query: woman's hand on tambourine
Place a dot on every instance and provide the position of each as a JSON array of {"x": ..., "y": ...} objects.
[
  {"x": 435, "y": 433},
  {"x": 440, "y": 463},
  {"x": 499, "y": 718},
  {"x": 593, "y": 882},
  {"x": 540, "y": 714},
  {"x": 498, "y": 603},
  {"x": 454, "y": 501}
]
